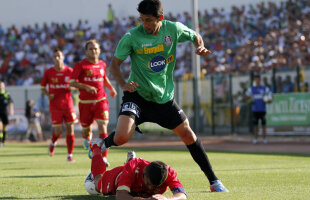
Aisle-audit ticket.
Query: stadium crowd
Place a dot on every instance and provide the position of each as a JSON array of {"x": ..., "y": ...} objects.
[{"x": 247, "y": 38}]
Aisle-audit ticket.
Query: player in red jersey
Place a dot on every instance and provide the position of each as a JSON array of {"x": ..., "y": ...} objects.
[
  {"x": 61, "y": 102},
  {"x": 89, "y": 76},
  {"x": 137, "y": 179}
]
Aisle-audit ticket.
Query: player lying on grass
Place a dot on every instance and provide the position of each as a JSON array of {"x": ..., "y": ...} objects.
[{"x": 137, "y": 179}]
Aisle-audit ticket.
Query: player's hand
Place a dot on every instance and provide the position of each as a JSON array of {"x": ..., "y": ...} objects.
[
  {"x": 91, "y": 89},
  {"x": 202, "y": 51},
  {"x": 158, "y": 197},
  {"x": 51, "y": 96},
  {"x": 130, "y": 87},
  {"x": 113, "y": 93}
]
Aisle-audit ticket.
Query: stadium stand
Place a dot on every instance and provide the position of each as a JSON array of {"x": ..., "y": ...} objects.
[{"x": 248, "y": 38}]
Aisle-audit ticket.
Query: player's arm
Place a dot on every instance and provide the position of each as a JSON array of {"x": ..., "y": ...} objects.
[
  {"x": 115, "y": 70},
  {"x": 248, "y": 95},
  {"x": 176, "y": 196},
  {"x": 123, "y": 194},
  {"x": 88, "y": 88},
  {"x": 72, "y": 88},
  {"x": 77, "y": 70},
  {"x": 108, "y": 84},
  {"x": 45, "y": 92},
  {"x": 11, "y": 108},
  {"x": 200, "y": 47}
]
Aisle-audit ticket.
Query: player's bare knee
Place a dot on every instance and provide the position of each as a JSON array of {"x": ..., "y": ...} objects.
[
  {"x": 120, "y": 139},
  {"x": 69, "y": 129},
  {"x": 86, "y": 132},
  {"x": 105, "y": 122},
  {"x": 188, "y": 136}
]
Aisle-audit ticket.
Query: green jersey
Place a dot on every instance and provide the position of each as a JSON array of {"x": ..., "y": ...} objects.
[{"x": 153, "y": 58}]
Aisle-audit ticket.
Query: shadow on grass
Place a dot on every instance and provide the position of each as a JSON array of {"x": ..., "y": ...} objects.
[
  {"x": 8, "y": 198},
  {"x": 39, "y": 154},
  {"x": 143, "y": 149},
  {"x": 264, "y": 169},
  {"x": 81, "y": 197},
  {"x": 69, "y": 197},
  {"x": 43, "y": 176},
  {"x": 14, "y": 168}
]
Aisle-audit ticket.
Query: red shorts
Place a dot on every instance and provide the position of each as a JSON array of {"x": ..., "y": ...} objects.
[
  {"x": 93, "y": 111},
  {"x": 59, "y": 117},
  {"x": 106, "y": 184}
]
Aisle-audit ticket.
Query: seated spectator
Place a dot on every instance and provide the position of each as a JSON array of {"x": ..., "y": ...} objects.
[
  {"x": 260, "y": 37},
  {"x": 288, "y": 85}
]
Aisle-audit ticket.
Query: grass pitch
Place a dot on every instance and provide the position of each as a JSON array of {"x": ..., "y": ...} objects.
[{"x": 27, "y": 172}]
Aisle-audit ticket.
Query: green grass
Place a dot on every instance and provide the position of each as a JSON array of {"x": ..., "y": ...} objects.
[{"x": 26, "y": 172}]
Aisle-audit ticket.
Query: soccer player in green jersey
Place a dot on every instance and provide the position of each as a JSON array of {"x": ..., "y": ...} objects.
[{"x": 149, "y": 91}]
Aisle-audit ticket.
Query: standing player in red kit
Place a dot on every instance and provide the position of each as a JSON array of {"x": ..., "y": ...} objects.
[
  {"x": 89, "y": 76},
  {"x": 61, "y": 102}
]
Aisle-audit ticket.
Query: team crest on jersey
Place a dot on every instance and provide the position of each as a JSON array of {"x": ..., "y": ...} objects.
[
  {"x": 101, "y": 72},
  {"x": 89, "y": 72},
  {"x": 54, "y": 80},
  {"x": 67, "y": 78},
  {"x": 168, "y": 40}
]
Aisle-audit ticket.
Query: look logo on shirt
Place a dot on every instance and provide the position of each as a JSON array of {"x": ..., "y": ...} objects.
[{"x": 158, "y": 63}]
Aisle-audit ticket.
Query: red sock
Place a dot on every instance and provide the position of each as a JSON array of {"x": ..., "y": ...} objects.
[
  {"x": 70, "y": 143},
  {"x": 104, "y": 135},
  {"x": 55, "y": 138},
  {"x": 97, "y": 164}
]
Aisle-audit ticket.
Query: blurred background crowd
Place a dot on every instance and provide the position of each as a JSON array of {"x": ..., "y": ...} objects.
[{"x": 246, "y": 38}]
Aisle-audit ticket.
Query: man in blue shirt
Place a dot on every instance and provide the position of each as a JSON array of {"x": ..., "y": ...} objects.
[
  {"x": 260, "y": 95},
  {"x": 288, "y": 85}
]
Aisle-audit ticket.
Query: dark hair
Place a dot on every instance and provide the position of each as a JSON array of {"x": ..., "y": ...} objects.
[
  {"x": 151, "y": 7},
  {"x": 29, "y": 108},
  {"x": 256, "y": 76},
  {"x": 57, "y": 49},
  {"x": 91, "y": 41},
  {"x": 157, "y": 172}
]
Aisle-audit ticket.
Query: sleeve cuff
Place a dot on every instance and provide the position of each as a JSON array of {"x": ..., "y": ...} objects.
[
  {"x": 123, "y": 187},
  {"x": 178, "y": 190}
]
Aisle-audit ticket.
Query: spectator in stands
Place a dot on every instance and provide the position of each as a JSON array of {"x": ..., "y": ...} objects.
[
  {"x": 276, "y": 35},
  {"x": 279, "y": 84},
  {"x": 305, "y": 87},
  {"x": 288, "y": 85},
  {"x": 33, "y": 116},
  {"x": 265, "y": 82},
  {"x": 244, "y": 105},
  {"x": 110, "y": 16}
]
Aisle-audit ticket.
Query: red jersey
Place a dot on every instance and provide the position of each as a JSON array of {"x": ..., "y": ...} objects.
[
  {"x": 130, "y": 178},
  {"x": 90, "y": 74},
  {"x": 58, "y": 85}
]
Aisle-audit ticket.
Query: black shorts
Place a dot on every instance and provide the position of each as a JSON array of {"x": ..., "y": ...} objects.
[
  {"x": 168, "y": 115},
  {"x": 4, "y": 118},
  {"x": 259, "y": 116}
]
